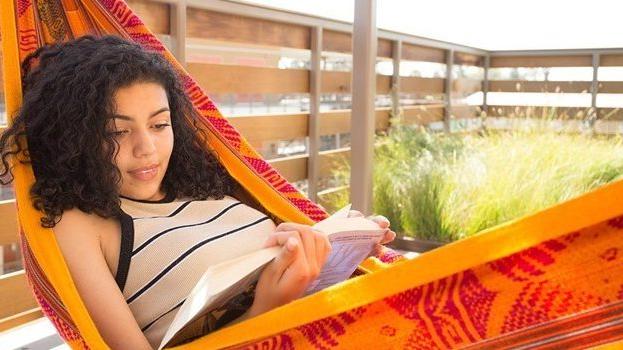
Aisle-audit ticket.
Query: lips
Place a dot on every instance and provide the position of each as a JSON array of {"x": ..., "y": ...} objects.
[{"x": 145, "y": 173}]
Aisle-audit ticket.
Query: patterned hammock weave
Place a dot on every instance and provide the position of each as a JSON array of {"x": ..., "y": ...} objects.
[{"x": 552, "y": 280}]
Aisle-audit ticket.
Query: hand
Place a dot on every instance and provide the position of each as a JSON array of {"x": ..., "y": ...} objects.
[
  {"x": 379, "y": 220},
  {"x": 304, "y": 252}
]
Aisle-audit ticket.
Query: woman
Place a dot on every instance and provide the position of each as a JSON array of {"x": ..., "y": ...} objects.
[{"x": 135, "y": 200}]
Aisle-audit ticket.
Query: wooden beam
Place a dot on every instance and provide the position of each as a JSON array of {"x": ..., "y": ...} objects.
[
  {"x": 611, "y": 60},
  {"x": 611, "y": 87},
  {"x": 466, "y": 86},
  {"x": 335, "y": 41},
  {"x": 9, "y": 229},
  {"x": 339, "y": 121},
  {"x": 235, "y": 28},
  {"x": 294, "y": 168},
  {"x": 542, "y": 61},
  {"x": 260, "y": 128},
  {"x": 610, "y": 113},
  {"x": 468, "y": 59},
  {"x": 221, "y": 78},
  {"x": 335, "y": 82},
  {"x": 340, "y": 82},
  {"x": 15, "y": 294},
  {"x": 155, "y": 15},
  {"x": 423, "y": 114},
  {"x": 341, "y": 42},
  {"x": 412, "y": 52},
  {"x": 539, "y": 86},
  {"x": 464, "y": 111},
  {"x": 422, "y": 85},
  {"x": 20, "y": 319}
]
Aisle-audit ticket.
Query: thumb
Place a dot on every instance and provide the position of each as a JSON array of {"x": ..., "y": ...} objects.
[{"x": 286, "y": 256}]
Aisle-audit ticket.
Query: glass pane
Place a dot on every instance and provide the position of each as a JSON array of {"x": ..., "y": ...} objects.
[
  {"x": 6, "y": 192},
  {"x": 422, "y": 69},
  {"x": 468, "y": 72},
  {"x": 283, "y": 148},
  {"x": 249, "y": 104},
  {"x": 333, "y": 61},
  {"x": 410, "y": 99},
  {"x": 539, "y": 99},
  {"x": 610, "y": 74}
]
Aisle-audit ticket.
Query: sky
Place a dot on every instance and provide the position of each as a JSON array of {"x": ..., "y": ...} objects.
[{"x": 486, "y": 24}]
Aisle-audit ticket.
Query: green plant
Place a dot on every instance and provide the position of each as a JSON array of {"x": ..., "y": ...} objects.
[{"x": 445, "y": 187}]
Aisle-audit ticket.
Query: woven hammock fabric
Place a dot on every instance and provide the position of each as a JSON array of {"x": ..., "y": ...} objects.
[{"x": 550, "y": 280}]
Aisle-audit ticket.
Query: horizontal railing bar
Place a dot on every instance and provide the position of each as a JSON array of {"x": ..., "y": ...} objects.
[{"x": 555, "y": 52}]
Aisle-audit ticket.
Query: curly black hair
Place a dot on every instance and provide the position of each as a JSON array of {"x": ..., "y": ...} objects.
[{"x": 61, "y": 128}]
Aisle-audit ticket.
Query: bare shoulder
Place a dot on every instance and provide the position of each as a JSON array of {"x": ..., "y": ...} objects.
[
  {"x": 86, "y": 233},
  {"x": 76, "y": 220},
  {"x": 80, "y": 237}
]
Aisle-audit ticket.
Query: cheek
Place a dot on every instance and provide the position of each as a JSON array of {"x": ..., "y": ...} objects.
[
  {"x": 123, "y": 159},
  {"x": 167, "y": 144}
]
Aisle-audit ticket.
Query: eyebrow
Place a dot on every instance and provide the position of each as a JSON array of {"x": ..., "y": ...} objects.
[{"x": 125, "y": 117}]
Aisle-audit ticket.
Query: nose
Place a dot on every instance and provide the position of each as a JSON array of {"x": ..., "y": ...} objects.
[{"x": 144, "y": 144}]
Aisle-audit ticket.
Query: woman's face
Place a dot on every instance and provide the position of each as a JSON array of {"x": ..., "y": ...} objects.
[{"x": 142, "y": 124}]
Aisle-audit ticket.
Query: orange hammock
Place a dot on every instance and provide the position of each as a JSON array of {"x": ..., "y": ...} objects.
[{"x": 550, "y": 280}]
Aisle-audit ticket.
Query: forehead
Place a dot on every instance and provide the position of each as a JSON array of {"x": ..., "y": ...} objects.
[{"x": 139, "y": 99}]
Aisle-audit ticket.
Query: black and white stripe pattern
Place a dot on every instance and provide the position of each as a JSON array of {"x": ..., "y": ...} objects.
[
  {"x": 184, "y": 255},
  {"x": 174, "y": 244},
  {"x": 159, "y": 234}
]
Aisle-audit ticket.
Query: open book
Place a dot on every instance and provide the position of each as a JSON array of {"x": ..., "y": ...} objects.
[{"x": 352, "y": 240}]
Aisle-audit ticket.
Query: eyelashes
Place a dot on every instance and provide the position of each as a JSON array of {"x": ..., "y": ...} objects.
[{"x": 158, "y": 127}]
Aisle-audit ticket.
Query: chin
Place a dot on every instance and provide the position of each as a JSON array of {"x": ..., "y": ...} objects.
[{"x": 143, "y": 194}]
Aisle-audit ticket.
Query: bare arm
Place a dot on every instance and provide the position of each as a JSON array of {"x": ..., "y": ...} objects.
[{"x": 78, "y": 236}]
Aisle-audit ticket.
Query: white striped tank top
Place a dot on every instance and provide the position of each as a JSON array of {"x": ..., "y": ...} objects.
[{"x": 167, "y": 245}]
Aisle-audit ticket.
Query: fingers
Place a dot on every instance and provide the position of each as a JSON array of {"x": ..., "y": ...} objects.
[
  {"x": 315, "y": 244},
  {"x": 307, "y": 236},
  {"x": 388, "y": 237},
  {"x": 380, "y": 220},
  {"x": 291, "y": 248},
  {"x": 323, "y": 248},
  {"x": 280, "y": 238}
]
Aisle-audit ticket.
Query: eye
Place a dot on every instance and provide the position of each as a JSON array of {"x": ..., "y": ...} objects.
[
  {"x": 119, "y": 133},
  {"x": 162, "y": 126}
]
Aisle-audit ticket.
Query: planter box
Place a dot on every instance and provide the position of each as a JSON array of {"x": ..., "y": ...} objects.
[{"x": 415, "y": 244}]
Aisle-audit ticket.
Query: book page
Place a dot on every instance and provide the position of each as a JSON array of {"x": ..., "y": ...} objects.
[
  {"x": 348, "y": 249},
  {"x": 219, "y": 284}
]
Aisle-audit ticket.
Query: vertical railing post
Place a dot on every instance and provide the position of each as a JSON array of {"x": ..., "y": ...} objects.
[
  {"x": 178, "y": 30},
  {"x": 314, "y": 113},
  {"x": 448, "y": 90},
  {"x": 362, "y": 119},
  {"x": 485, "y": 85},
  {"x": 395, "y": 91},
  {"x": 594, "y": 89}
]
